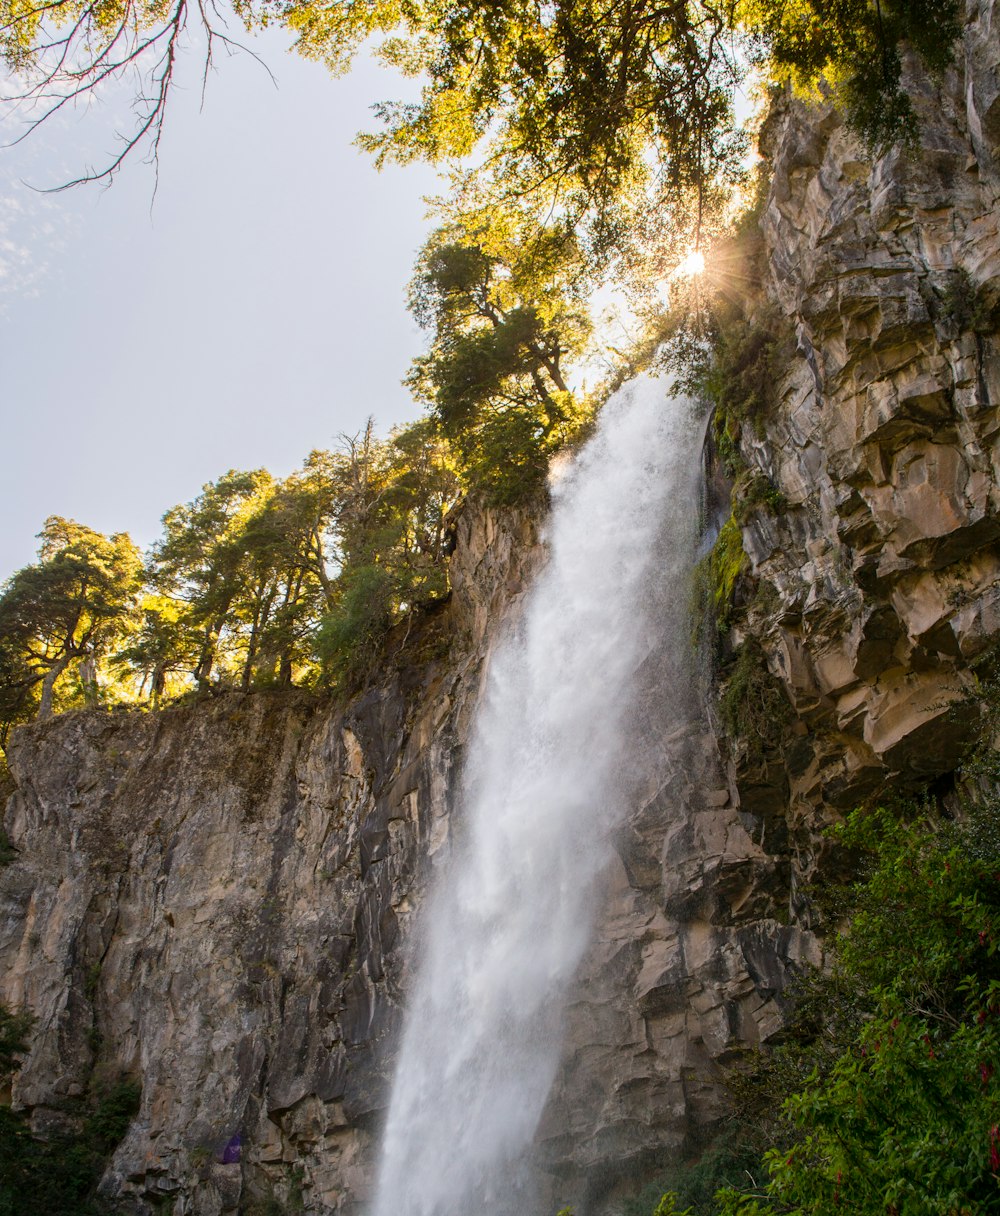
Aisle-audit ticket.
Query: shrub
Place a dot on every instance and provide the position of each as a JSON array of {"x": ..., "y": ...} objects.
[
  {"x": 892, "y": 1102},
  {"x": 694, "y": 1186},
  {"x": 747, "y": 356},
  {"x": 14, "y": 1031},
  {"x": 757, "y": 490},
  {"x": 56, "y": 1174},
  {"x": 753, "y": 704},
  {"x": 350, "y": 637}
]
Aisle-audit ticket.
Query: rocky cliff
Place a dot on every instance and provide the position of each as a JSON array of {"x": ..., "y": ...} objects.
[
  {"x": 878, "y": 581},
  {"x": 211, "y": 900},
  {"x": 215, "y": 900}
]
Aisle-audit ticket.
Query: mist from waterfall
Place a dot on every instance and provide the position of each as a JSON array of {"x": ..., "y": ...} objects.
[{"x": 546, "y": 781}]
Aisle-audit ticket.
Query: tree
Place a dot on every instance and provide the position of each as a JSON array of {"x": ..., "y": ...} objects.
[
  {"x": 70, "y": 607},
  {"x": 285, "y": 558},
  {"x": 506, "y": 309},
  {"x": 200, "y": 563},
  {"x": 596, "y": 107},
  {"x": 241, "y": 583},
  {"x": 856, "y": 48},
  {"x": 15, "y": 1029},
  {"x": 161, "y": 647},
  {"x": 246, "y": 574},
  {"x": 394, "y": 499},
  {"x": 62, "y": 51}
]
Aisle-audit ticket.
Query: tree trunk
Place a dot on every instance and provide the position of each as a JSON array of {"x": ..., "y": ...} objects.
[
  {"x": 53, "y": 674},
  {"x": 316, "y": 551},
  {"x": 88, "y": 680},
  {"x": 551, "y": 364},
  {"x": 203, "y": 668}
]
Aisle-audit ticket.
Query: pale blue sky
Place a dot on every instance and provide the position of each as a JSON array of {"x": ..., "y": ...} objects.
[{"x": 257, "y": 313}]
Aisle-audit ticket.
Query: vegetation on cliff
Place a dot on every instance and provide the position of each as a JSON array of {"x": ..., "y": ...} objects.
[
  {"x": 258, "y": 582},
  {"x": 587, "y": 145},
  {"x": 57, "y": 1173},
  {"x": 884, "y": 1095}
]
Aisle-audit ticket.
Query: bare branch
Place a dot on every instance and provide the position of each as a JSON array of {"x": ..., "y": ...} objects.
[{"x": 76, "y": 59}]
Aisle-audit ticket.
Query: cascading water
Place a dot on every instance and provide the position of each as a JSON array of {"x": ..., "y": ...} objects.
[{"x": 508, "y": 924}]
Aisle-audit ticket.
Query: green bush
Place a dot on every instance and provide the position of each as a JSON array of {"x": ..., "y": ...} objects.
[
  {"x": 884, "y": 1099},
  {"x": 753, "y": 704},
  {"x": 755, "y": 491},
  {"x": 106, "y": 1125},
  {"x": 57, "y": 1175},
  {"x": 694, "y": 1186},
  {"x": 14, "y": 1031},
  {"x": 856, "y": 48},
  {"x": 506, "y": 455},
  {"x": 887, "y": 1075},
  {"x": 350, "y": 637},
  {"x": 905, "y": 1119},
  {"x": 748, "y": 351}
]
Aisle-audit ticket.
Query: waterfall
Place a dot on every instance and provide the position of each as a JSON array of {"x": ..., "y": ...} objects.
[{"x": 545, "y": 783}]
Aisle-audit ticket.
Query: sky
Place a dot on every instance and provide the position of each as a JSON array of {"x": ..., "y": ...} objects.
[{"x": 250, "y": 312}]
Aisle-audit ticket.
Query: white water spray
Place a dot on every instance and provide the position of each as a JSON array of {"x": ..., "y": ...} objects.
[{"x": 512, "y": 916}]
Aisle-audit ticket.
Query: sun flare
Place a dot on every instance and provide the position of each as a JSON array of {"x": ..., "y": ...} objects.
[{"x": 693, "y": 264}]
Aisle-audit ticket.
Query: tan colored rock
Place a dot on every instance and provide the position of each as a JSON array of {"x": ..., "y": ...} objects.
[
  {"x": 218, "y": 899},
  {"x": 884, "y": 441}
]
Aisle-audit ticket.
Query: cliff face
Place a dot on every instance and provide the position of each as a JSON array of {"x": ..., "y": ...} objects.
[
  {"x": 883, "y": 571},
  {"x": 216, "y": 899},
  {"x": 211, "y": 900},
  {"x": 873, "y": 589}
]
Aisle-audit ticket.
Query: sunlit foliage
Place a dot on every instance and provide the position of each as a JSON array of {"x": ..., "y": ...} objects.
[
  {"x": 505, "y": 306},
  {"x": 396, "y": 500},
  {"x": 596, "y": 108},
  {"x": 63, "y": 614},
  {"x": 256, "y": 583}
]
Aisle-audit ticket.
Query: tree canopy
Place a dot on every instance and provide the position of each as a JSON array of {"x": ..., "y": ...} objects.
[
  {"x": 567, "y": 129},
  {"x": 589, "y": 105},
  {"x": 256, "y": 583},
  {"x": 506, "y": 310},
  {"x": 67, "y": 610}
]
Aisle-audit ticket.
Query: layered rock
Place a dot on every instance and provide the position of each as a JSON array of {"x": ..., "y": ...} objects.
[
  {"x": 883, "y": 567},
  {"x": 216, "y": 899}
]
